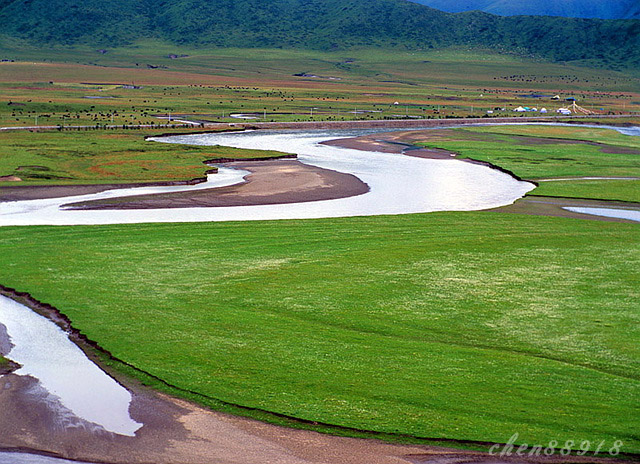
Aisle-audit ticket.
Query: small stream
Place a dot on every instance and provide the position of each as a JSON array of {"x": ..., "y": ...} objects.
[
  {"x": 629, "y": 214},
  {"x": 80, "y": 393}
]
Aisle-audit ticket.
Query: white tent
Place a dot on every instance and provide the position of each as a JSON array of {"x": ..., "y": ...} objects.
[{"x": 520, "y": 109}]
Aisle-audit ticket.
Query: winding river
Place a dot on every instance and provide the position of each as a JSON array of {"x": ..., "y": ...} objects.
[
  {"x": 83, "y": 394},
  {"x": 398, "y": 185}
]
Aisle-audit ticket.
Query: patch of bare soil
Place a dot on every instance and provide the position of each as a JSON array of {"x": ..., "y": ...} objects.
[
  {"x": 269, "y": 182},
  {"x": 391, "y": 142}
]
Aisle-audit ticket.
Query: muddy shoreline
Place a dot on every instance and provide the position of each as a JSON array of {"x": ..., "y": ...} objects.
[
  {"x": 5, "y": 346},
  {"x": 270, "y": 182},
  {"x": 40, "y": 192}
]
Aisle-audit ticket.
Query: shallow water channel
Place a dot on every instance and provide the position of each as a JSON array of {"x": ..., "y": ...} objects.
[
  {"x": 629, "y": 214},
  {"x": 80, "y": 393}
]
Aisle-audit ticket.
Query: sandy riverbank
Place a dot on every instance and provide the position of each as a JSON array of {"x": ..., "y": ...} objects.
[
  {"x": 269, "y": 182},
  {"x": 390, "y": 142},
  {"x": 535, "y": 205},
  {"x": 179, "y": 432}
]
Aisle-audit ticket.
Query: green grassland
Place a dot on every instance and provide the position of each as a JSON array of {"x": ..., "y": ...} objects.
[
  {"x": 459, "y": 325},
  {"x": 108, "y": 156},
  {"x": 620, "y": 190},
  {"x": 71, "y": 86},
  {"x": 541, "y": 152},
  {"x": 582, "y": 133}
]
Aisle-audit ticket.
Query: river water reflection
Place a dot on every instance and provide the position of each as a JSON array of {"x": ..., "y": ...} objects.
[
  {"x": 398, "y": 185},
  {"x": 80, "y": 393}
]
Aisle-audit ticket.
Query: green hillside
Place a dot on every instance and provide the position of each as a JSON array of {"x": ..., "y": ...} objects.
[{"x": 317, "y": 24}]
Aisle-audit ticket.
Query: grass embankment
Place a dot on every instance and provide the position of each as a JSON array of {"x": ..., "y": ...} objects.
[
  {"x": 459, "y": 325},
  {"x": 544, "y": 152},
  {"x": 7, "y": 366},
  {"x": 113, "y": 156}
]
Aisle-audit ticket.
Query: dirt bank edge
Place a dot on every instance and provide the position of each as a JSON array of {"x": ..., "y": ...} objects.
[
  {"x": 269, "y": 182},
  {"x": 108, "y": 362}
]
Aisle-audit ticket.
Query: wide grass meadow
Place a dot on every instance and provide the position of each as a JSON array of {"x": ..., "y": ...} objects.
[{"x": 469, "y": 326}]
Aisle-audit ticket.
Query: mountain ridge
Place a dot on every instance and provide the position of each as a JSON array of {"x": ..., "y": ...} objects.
[
  {"x": 317, "y": 24},
  {"x": 620, "y": 9}
]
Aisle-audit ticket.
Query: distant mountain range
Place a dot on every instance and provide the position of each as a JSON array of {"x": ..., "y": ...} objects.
[
  {"x": 604, "y": 9},
  {"x": 317, "y": 24}
]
